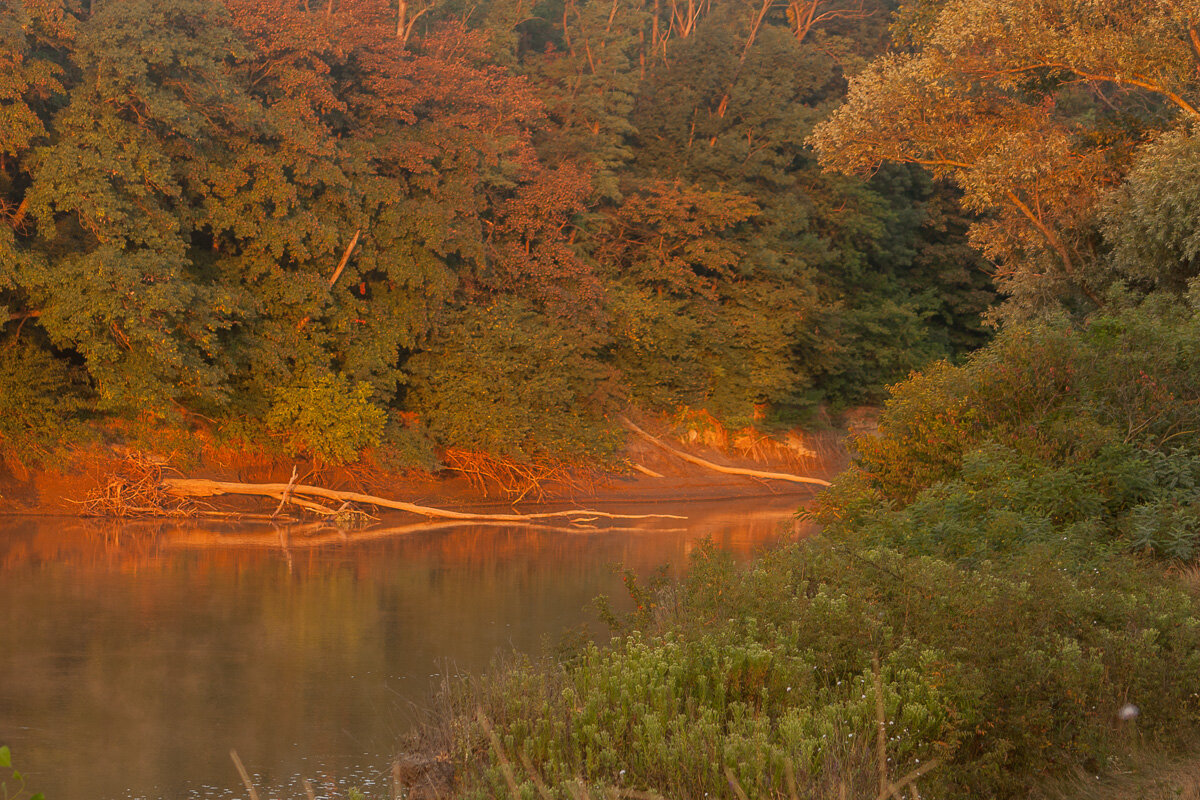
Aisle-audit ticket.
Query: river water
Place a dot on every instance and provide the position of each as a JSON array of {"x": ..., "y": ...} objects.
[{"x": 133, "y": 658}]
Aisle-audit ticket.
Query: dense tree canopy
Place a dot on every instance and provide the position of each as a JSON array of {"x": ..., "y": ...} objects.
[
  {"x": 357, "y": 222},
  {"x": 1036, "y": 110}
]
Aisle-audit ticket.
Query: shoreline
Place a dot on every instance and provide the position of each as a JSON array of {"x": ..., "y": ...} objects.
[{"x": 62, "y": 491}]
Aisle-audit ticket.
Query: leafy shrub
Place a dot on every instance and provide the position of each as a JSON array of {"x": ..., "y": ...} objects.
[
  {"x": 987, "y": 547},
  {"x": 511, "y": 381},
  {"x": 1004, "y": 670},
  {"x": 670, "y": 713},
  {"x": 40, "y": 398},
  {"x": 1052, "y": 430},
  {"x": 327, "y": 416},
  {"x": 922, "y": 434}
]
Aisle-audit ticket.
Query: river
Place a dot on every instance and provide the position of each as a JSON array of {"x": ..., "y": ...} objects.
[{"x": 134, "y": 657}]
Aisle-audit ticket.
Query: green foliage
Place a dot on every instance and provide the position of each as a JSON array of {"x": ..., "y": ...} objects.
[
  {"x": 1064, "y": 395},
  {"x": 8, "y": 773},
  {"x": 670, "y": 713},
  {"x": 863, "y": 347},
  {"x": 1005, "y": 670},
  {"x": 1083, "y": 638},
  {"x": 508, "y": 380},
  {"x": 1151, "y": 221},
  {"x": 329, "y": 417},
  {"x": 201, "y": 199},
  {"x": 999, "y": 548},
  {"x": 41, "y": 399},
  {"x": 854, "y": 280}
]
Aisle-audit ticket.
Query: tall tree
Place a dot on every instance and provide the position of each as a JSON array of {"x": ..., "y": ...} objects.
[{"x": 1034, "y": 109}]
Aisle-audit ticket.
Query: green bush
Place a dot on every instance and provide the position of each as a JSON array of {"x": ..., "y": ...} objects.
[
  {"x": 1054, "y": 430},
  {"x": 512, "y": 381},
  {"x": 41, "y": 399},
  {"x": 989, "y": 547},
  {"x": 671, "y": 712},
  {"x": 1005, "y": 670},
  {"x": 327, "y": 416}
]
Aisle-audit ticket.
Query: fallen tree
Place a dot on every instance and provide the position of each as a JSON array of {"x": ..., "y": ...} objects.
[
  {"x": 700, "y": 462},
  {"x": 303, "y": 495}
]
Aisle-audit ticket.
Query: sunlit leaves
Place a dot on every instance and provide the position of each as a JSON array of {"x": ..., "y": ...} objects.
[
  {"x": 1153, "y": 220},
  {"x": 1033, "y": 109}
]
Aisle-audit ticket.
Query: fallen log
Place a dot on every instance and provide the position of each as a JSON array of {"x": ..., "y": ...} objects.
[
  {"x": 700, "y": 462},
  {"x": 202, "y": 487}
]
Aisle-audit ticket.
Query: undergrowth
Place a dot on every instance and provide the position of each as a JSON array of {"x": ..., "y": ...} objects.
[{"x": 1006, "y": 567}]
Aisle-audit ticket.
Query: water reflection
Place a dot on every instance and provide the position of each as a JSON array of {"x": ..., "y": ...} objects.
[{"x": 134, "y": 657}]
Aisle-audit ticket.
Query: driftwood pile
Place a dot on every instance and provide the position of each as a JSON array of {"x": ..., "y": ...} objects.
[
  {"x": 516, "y": 480},
  {"x": 137, "y": 489}
]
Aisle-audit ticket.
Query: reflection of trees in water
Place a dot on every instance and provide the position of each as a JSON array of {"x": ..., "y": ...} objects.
[
  {"x": 133, "y": 663},
  {"x": 111, "y": 544}
]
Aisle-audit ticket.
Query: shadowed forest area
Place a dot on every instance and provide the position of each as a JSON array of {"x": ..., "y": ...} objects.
[{"x": 328, "y": 228}]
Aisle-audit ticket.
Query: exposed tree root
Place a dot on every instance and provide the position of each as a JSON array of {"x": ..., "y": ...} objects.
[
  {"x": 516, "y": 480},
  {"x": 135, "y": 490},
  {"x": 700, "y": 462},
  {"x": 201, "y": 487}
]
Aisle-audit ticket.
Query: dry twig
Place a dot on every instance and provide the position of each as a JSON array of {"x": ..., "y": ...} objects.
[{"x": 135, "y": 490}]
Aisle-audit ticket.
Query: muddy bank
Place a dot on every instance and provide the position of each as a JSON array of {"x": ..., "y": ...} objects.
[{"x": 640, "y": 472}]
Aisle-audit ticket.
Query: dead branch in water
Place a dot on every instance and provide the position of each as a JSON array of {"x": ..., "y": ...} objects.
[
  {"x": 241, "y": 768},
  {"x": 700, "y": 462},
  {"x": 283, "y": 500},
  {"x": 201, "y": 487}
]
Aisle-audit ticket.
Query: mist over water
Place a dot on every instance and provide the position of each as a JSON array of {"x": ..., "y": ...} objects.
[{"x": 135, "y": 657}]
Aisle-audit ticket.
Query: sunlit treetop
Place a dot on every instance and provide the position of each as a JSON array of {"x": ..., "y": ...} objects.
[{"x": 1035, "y": 109}]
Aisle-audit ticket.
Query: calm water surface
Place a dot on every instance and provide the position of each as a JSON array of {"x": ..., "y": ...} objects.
[{"x": 133, "y": 658}]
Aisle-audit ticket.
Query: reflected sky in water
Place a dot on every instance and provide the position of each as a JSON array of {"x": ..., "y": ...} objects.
[{"x": 134, "y": 657}]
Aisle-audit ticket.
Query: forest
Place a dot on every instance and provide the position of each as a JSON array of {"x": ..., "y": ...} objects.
[
  {"x": 329, "y": 227},
  {"x": 337, "y": 228}
]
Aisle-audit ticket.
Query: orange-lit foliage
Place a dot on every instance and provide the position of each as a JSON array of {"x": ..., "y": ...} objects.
[
  {"x": 795, "y": 451},
  {"x": 534, "y": 252},
  {"x": 668, "y": 237}
]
